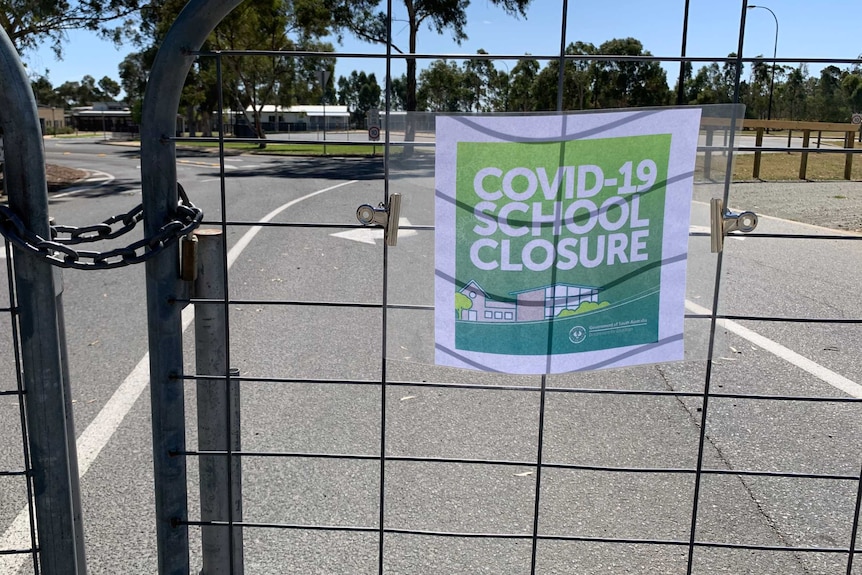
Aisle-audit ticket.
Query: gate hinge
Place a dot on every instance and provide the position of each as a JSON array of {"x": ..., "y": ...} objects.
[
  {"x": 382, "y": 215},
  {"x": 723, "y": 221}
]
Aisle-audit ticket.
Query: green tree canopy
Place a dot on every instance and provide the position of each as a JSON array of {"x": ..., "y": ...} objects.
[
  {"x": 851, "y": 84},
  {"x": 249, "y": 82},
  {"x": 45, "y": 92},
  {"x": 366, "y": 20},
  {"x": 521, "y": 85},
  {"x": 359, "y": 92},
  {"x": 442, "y": 88},
  {"x": 629, "y": 82},
  {"x": 29, "y": 23}
]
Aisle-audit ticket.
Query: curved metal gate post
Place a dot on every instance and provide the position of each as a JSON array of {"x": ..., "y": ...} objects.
[
  {"x": 159, "y": 188},
  {"x": 50, "y": 427}
]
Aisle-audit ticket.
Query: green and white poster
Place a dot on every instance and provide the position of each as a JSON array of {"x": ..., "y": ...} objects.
[{"x": 561, "y": 240}]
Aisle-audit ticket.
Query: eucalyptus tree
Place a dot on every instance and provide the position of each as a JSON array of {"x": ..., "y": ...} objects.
[
  {"x": 367, "y": 20},
  {"x": 30, "y": 23},
  {"x": 45, "y": 92},
  {"x": 133, "y": 80},
  {"x": 757, "y": 98},
  {"x": 442, "y": 88},
  {"x": 795, "y": 92},
  {"x": 83, "y": 93},
  {"x": 851, "y": 85},
  {"x": 249, "y": 82},
  {"x": 359, "y": 92},
  {"x": 273, "y": 26},
  {"x": 479, "y": 75},
  {"x": 830, "y": 100},
  {"x": 522, "y": 85},
  {"x": 628, "y": 82},
  {"x": 713, "y": 83},
  {"x": 579, "y": 79}
]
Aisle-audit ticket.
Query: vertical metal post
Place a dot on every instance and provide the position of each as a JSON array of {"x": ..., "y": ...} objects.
[
  {"x": 77, "y": 512},
  {"x": 54, "y": 475},
  {"x": 159, "y": 188},
  {"x": 707, "y": 383},
  {"x": 220, "y": 488},
  {"x": 707, "y": 157},
  {"x": 562, "y": 66},
  {"x": 384, "y": 320}
]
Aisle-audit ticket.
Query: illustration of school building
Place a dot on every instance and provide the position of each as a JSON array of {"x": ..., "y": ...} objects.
[{"x": 536, "y": 304}]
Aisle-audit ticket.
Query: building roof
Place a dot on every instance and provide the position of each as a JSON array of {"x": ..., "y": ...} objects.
[
  {"x": 334, "y": 111},
  {"x": 100, "y": 109}
]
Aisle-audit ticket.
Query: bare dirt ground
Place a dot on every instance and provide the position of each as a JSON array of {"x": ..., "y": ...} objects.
[
  {"x": 58, "y": 177},
  {"x": 834, "y": 204}
]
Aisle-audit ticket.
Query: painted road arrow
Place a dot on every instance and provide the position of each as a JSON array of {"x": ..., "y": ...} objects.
[{"x": 370, "y": 235}]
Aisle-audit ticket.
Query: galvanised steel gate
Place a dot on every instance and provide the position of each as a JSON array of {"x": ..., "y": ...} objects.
[
  {"x": 385, "y": 464},
  {"x": 355, "y": 455}
]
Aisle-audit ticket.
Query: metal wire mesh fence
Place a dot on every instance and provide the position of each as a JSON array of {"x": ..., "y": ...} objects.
[
  {"x": 311, "y": 431},
  {"x": 357, "y": 456},
  {"x": 15, "y": 477}
]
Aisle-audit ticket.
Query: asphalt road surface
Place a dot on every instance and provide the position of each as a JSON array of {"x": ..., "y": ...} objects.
[{"x": 106, "y": 322}]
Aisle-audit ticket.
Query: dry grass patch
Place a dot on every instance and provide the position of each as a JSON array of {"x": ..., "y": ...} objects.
[{"x": 782, "y": 166}]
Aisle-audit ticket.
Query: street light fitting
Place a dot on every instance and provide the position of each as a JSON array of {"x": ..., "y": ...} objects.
[{"x": 774, "y": 58}]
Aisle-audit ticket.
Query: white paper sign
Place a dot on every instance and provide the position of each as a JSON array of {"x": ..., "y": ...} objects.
[{"x": 561, "y": 240}]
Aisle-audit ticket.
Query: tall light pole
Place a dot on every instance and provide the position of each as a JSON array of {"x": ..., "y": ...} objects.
[
  {"x": 774, "y": 56},
  {"x": 323, "y": 78},
  {"x": 680, "y": 88}
]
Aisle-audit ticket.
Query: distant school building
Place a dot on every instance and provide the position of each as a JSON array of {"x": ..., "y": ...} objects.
[
  {"x": 275, "y": 119},
  {"x": 103, "y": 117},
  {"x": 537, "y": 304}
]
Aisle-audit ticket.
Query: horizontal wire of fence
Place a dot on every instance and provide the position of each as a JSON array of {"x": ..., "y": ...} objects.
[{"x": 386, "y": 527}]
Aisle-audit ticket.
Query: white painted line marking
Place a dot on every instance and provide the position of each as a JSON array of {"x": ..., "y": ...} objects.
[
  {"x": 204, "y": 164},
  {"x": 794, "y": 222},
  {"x": 105, "y": 424},
  {"x": 826, "y": 375},
  {"x": 101, "y": 429},
  {"x": 95, "y": 180}
]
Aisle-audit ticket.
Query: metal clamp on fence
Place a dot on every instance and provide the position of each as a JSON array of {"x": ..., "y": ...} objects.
[
  {"x": 384, "y": 215},
  {"x": 723, "y": 221},
  {"x": 58, "y": 252}
]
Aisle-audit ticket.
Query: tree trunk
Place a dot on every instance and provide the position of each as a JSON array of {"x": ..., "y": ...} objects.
[
  {"x": 410, "y": 103},
  {"x": 190, "y": 120},
  {"x": 258, "y": 129},
  {"x": 206, "y": 124}
]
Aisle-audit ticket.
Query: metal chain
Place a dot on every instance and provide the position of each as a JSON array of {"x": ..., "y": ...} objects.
[
  {"x": 58, "y": 252},
  {"x": 96, "y": 232}
]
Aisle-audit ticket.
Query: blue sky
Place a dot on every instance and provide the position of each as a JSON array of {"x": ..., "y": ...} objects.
[{"x": 807, "y": 29}]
